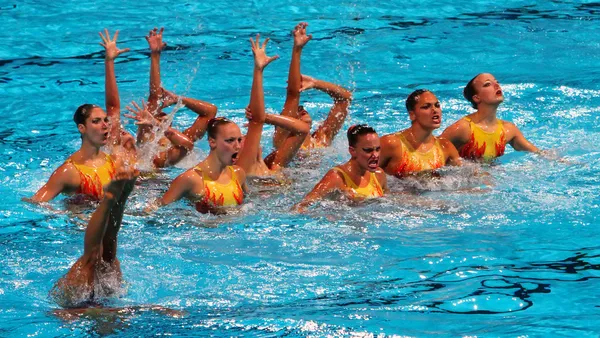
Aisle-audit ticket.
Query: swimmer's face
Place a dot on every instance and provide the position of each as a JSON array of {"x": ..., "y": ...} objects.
[
  {"x": 227, "y": 143},
  {"x": 366, "y": 151},
  {"x": 427, "y": 112},
  {"x": 488, "y": 90},
  {"x": 96, "y": 127},
  {"x": 304, "y": 116}
]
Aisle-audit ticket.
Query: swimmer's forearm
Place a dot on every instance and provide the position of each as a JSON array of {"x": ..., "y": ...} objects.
[
  {"x": 96, "y": 228},
  {"x": 154, "y": 75},
  {"x": 200, "y": 107},
  {"x": 288, "y": 123},
  {"x": 178, "y": 139},
  {"x": 338, "y": 93},
  {"x": 294, "y": 75}
]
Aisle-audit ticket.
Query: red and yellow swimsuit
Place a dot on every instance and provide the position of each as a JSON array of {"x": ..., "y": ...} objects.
[
  {"x": 482, "y": 144},
  {"x": 373, "y": 189},
  {"x": 413, "y": 161},
  {"x": 92, "y": 180},
  {"x": 220, "y": 195}
]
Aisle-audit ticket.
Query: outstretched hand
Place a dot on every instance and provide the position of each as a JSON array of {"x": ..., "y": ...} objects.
[
  {"x": 154, "y": 39},
  {"x": 141, "y": 115},
  {"x": 261, "y": 60},
  {"x": 110, "y": 46},
  {"x": 307, "y": 83},
  {"x": 299, "y": 34}
]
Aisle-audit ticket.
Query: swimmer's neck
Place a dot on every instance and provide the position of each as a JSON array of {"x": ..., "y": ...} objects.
[
  {"x": 419, "y": 135},
  {"x": 353, "y": 167},
  {"x": 213, "y": 163},
  {"x": 88, "y": 150},
  {"x": 486, "y": 113}
]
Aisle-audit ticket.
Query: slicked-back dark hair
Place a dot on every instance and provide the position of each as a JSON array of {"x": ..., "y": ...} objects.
[
  {"x": 358, "y": 130},
  {"x": 83, "y": 112},
  {"x": 411, "y": 100},
  {"x": 213, "y": 126},
  {"x": 469, "y": 91}
]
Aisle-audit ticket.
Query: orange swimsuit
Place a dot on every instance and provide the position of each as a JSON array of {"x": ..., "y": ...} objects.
[
  {"x": 219, "y": 194},
  {"x": 373, "y": 189},
  {"x": 413, "y": 161},
  {"x": 94, "y": 179},
  {"x": 483, "y": 144}
]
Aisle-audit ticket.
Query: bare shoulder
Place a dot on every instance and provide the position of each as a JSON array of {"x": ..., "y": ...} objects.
[
  {"x": 459, "y": 127},
  {"x": 239, "y": 172},
  {"x": 445, "y": 143},
  {"x": 333, "y": 176},
  {"x": 510, "y": 129},
  {"x": 190, "y": 176},
  {"x": 390, "y": 141},
  {"x": 67, "y": 173},
  {"x": 381, "y": 175}
]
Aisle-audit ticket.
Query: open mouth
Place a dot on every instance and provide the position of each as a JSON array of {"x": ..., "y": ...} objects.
[
  {"x": 436, "y": 119},
  {"x": 105, "y": 136},
  {"x": 374, "y": 163},
  {"x": 234, "y": 158},
  {"x": 499, "y": 92}
]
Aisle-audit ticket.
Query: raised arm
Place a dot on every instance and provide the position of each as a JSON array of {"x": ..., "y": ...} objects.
[
  {"x": 111, "y": 92},
  {"x": 156, "y": 45},
  {"x": 249, "y": 153},
  {"x": 205, "y": 111},
  {"x": 330, "y": 182},
  {"x": 337, "y": 115},
  {"x": 180, "y": 144},
  {"x": 111, "y": 207},
  {"x": 292, "y": 100},
  {"x": 297, "y": 131}
]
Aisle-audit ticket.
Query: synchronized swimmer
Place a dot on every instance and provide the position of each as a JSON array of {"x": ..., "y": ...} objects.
[{"x": 220, "y": 180}]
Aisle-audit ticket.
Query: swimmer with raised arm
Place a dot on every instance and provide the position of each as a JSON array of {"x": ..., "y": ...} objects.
[
  {"x": 481, "y": 135},
  {"x": 87, "y": 170},
  {"x": 174, "y": 145},
  {"x": 416, "y": 149},
  {"x": 250, "y": 157},
  {"x": 217, "y": 181},
  {"x": 97, "y": 273},
  {"x": 297, "y": 83},
  {"x": 360, "y": 177}
]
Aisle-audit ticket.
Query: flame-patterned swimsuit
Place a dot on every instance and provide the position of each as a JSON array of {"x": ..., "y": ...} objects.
[
  {"x": 217, "y": 194},
  {"x": 413, "y": 161},
  {"x": 373, "y": 189},
  {"x": 482, "y": 144},
  {"x": 94, "y": 179}
]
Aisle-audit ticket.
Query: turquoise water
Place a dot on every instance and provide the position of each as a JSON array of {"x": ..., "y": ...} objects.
[{"x": 519, "y": 258}]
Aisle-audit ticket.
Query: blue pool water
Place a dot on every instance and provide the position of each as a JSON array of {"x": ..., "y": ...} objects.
[{"x": 519, "y": 258}]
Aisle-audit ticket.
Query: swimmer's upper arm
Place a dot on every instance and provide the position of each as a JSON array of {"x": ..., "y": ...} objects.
[
  {"x": 457, "y": 133},
  {"x": 64, "y": 178},
  {"x": 182, "y": 186},
  {"x": 517, "y": 140},
  {"x": 331, "y": 181},
  {"x": 388, "y": 146},
  {"x": 382, "y": 178},
  {"x": 241, "y": 175},
  {"x": 450, "y": 152},
  {"x": 333, "y": 123}
]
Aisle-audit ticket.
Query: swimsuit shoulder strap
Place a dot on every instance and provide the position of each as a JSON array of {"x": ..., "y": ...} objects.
[
  {"x": 345, "y": 176},
  {"x": 233, "y": 175}
]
